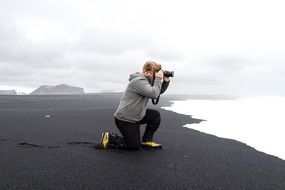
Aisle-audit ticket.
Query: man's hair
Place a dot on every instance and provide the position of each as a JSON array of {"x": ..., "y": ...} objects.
[{"x": 151, "y": 66}]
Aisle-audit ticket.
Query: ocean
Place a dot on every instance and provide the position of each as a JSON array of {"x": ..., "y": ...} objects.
[{"x": 256, "y": 121}]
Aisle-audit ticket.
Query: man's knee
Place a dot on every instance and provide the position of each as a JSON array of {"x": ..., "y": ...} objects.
[
  {"x": 134, "y": 146},
  {"x": 134, "y": 143}
]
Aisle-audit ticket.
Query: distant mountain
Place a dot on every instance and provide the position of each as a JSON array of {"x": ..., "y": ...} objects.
[
  {"x": 22, "y": 93},
  {"x": 61, "y": 89},
  {"x": 108, "y": 91},
  {"x": 8, "y": 92}
]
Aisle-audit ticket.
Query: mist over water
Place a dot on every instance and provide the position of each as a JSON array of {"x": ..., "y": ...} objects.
[{"x": 258, "y": 122}]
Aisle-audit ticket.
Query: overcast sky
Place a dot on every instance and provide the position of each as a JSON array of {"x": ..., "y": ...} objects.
[{"x": 214, "y": 47}]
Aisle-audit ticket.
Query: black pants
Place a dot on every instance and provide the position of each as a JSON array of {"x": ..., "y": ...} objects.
[{"x": 131, "y": 139}]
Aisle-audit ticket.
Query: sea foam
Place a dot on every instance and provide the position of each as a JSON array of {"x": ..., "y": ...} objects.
[{"x": 258, "y": 122}]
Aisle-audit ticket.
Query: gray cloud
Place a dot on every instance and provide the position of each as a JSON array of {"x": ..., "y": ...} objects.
[
  {"x": 97, "y": 45},
  {"x": 227, "y": 64},
  {"x": 17, "y": 49},
  {"x": 99, "y": 58},
  {"x": 108, "y": 42}
]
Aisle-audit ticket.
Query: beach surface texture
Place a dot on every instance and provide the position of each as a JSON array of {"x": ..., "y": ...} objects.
[{"x": 47, "y": 142}]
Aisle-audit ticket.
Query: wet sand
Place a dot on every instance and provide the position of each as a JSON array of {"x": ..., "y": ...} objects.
[{"x": 46, "y": 142}]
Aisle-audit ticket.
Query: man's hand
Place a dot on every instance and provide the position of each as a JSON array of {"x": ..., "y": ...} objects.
[
  {"x": 159, "y": 74},
  {"x": 166, "y": 79}
]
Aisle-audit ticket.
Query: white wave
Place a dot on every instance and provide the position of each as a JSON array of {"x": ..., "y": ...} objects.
[{"x": 258, "y": 122}]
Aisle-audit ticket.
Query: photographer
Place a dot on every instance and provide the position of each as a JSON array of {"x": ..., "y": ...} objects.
[{"x": 132, "y": 111}]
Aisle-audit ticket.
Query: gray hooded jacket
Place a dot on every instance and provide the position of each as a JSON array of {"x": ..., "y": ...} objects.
[{"x": 134, "y": 101}]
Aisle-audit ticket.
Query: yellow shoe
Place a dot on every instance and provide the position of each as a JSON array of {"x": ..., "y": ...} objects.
[
  {"x": 105, "y": 139},
  {"x": 151, "y": 144}
]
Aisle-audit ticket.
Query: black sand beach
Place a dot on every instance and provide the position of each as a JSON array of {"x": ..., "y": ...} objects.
[{"x": 46, "y": 142}]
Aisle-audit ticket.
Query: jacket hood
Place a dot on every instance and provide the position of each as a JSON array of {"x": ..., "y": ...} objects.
[
  {"x": 134, "y": 75},
  {"x": 141, "y": 76}
]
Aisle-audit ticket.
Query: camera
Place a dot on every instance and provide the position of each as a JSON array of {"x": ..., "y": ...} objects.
[
  {"x": 165, "y": 73},
  {"x": 168, "y": 73}
]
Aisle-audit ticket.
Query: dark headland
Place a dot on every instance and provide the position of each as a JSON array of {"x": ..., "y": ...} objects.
[{"x": 46, "y": 142}]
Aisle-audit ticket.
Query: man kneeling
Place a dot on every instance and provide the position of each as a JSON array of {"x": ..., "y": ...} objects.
[{"x": 132, "y": 111}]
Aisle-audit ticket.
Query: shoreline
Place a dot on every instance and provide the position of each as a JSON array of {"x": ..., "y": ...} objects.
[{"x": 251, "y": 112}]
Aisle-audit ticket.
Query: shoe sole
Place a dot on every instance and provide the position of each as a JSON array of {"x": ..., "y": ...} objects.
[
  {"x": 103, "y": 138},
  {"x": 150, "y": 147}
]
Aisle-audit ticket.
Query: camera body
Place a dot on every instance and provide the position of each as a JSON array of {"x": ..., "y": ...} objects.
[
  {"x": 168, "y": 73},
  {"x": 165, "y": 73}
]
